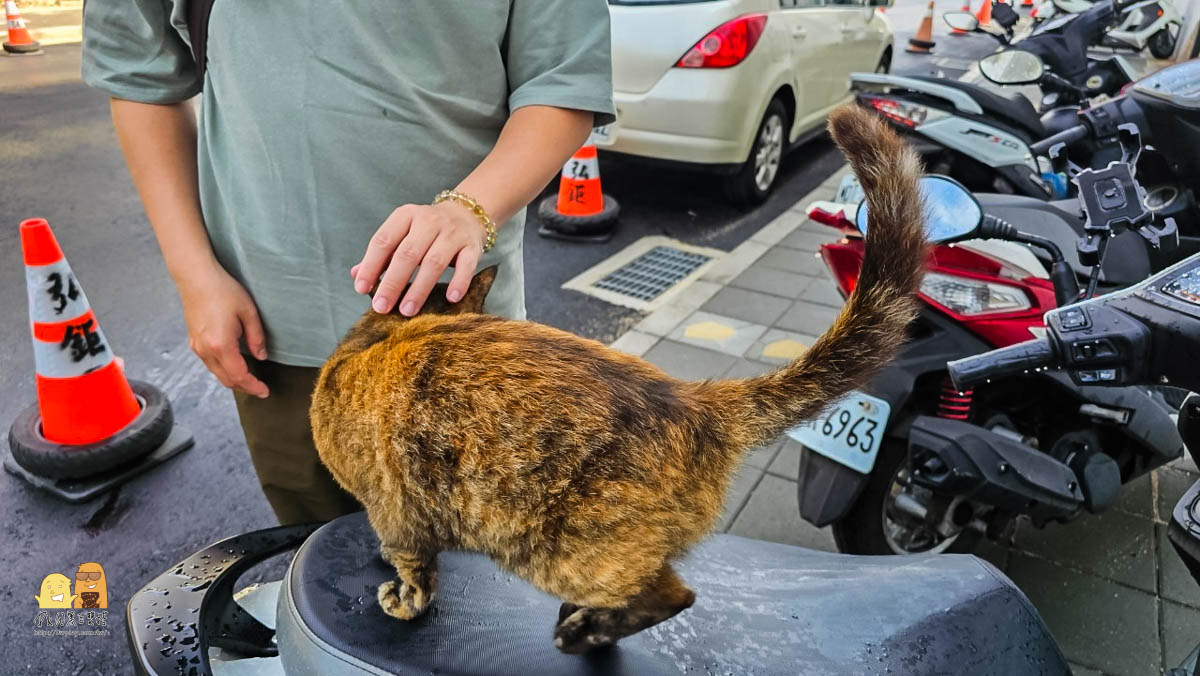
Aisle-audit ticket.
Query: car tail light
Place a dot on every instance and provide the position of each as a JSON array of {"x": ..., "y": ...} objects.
[
  {"x": 907, "y": 114},
  {"x": 968, "y": 297},
  {"x": 727, "y": 45}
]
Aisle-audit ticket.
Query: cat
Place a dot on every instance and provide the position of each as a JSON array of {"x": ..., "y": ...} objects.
[{"x": 581, "y": 469}]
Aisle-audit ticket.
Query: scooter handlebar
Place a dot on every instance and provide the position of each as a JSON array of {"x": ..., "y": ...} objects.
[
  {"x": 1067, "y": 136},
  {"x": 970, "y": 371}
]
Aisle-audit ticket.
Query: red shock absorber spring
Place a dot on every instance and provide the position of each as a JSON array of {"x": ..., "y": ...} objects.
[{"x": 953, "y": 404}]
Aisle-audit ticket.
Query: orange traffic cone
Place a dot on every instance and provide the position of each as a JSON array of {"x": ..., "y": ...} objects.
[
  {"x": 19, "y": 40},
  {"x": 984, "y": 15},
  {"x": 922, "y": 42},
  {"x": 1027, "y": 3},
  {"x": 83, "y": 396},
  {"x": 966, "y": 8},
  {"x": 581, "y": 208}
]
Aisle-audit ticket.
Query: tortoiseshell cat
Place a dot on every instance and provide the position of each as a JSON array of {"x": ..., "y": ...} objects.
[{"x": 581, "y": 469}]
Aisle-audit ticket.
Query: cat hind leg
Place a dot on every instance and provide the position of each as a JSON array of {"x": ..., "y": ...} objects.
[
  {"x": 581, "y": 629},
  {"x": 407, "y": 596}
]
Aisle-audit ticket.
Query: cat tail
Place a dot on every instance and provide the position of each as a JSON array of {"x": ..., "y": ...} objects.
[{"x": 873, "y": 323}]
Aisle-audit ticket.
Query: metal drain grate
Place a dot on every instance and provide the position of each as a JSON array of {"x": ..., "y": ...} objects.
[{"x": 649, "y": 275}]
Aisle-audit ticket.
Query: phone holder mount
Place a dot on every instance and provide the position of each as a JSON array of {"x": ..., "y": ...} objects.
[{"x": 1113, "y": 201}]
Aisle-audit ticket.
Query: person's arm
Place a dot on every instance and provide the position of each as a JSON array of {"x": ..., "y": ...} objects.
[
  {"x": 159, "y": 143},
  {"x": 533, "y": 146}
]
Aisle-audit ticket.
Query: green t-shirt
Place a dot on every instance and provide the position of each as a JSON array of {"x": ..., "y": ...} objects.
[{"x": 319, "y": 118}]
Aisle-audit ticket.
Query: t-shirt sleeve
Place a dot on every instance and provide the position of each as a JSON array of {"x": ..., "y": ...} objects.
[
  {"x": 134, "y": 49},
  {"x": 559, "y": 53}
]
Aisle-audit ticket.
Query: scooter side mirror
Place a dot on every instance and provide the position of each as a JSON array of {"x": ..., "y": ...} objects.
[
  {"x": 963, "y": 21},
  {"x": 951, "y": 212},
  {"x": 1012, "y": 67}
]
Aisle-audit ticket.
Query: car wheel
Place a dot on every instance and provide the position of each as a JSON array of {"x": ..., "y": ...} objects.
[
  {"x": 874, "y": 527},
  {"x": 1162, "y": 44},
  {"x": 885, "y": 62},
  {"x": 753, "y": 181}
]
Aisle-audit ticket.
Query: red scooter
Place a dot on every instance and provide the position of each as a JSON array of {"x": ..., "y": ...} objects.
[{"x": 911, "y": 464}]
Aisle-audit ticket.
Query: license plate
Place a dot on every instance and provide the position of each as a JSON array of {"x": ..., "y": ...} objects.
[
  {"x": 604, "y": 136},
  {"x": 850, "y": 432}
]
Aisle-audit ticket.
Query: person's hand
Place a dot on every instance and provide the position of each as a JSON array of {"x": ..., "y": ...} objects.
[
  {"x": 432, "y": 237},
  {"x": 219, "y": 312}
]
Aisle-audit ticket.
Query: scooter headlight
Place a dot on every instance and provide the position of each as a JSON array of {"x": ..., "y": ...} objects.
[{"x": 966, "y": 296}]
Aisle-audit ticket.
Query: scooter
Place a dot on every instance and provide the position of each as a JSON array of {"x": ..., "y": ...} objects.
[
  {"x": 1042, "y": 425},
  {"x": 1071, "y": 75},
  {"x": 1143, "y": 335},
  {"x": 984, "y": 139},
  {"x": 761, "y": 607},
  {"x": 1150, "y": 23},
  {"x": 1154, "y": 24}
]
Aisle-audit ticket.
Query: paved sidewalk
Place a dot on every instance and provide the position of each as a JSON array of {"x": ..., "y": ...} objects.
[{"x": 1113, "y": 591}]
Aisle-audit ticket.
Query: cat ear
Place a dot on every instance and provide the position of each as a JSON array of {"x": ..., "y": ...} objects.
[{"x": 478, "y": 291}]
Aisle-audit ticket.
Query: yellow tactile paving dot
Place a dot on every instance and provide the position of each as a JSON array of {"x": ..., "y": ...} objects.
[
  {"x": 784, "y": 349},
  {"x": 709, "y": 330}
]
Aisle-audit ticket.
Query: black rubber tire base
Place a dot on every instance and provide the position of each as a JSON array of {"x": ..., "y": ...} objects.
[
  {"x": 23, "y": 50},
  {"x": 51, "y": 460},
  {"x": 595, "y": 224},
  {"x": 82, "y": 490},
  {"x": 603, "y": 237}
]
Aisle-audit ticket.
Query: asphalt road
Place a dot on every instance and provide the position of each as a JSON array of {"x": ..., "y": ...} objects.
[{"x": 59, "y": 159}]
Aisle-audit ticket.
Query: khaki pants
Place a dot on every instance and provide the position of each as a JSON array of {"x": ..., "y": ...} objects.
[{"x": 277, "y": 430}]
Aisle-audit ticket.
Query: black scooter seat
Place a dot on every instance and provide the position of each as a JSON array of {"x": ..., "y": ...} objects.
[
  {"x": 1016, "y": 111},
  {"x": 761, "y": 608}
]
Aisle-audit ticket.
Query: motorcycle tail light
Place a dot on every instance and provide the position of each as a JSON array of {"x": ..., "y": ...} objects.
[
  {"x": 844, "y": 262},
  {"x": 833, "y": 218},
  {"x": 727, "y": 45},
  {"x": 907, "y": 114},
  {"x": 968, "y": 297}
]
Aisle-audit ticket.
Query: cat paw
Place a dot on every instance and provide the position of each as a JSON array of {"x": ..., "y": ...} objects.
[
  {"x": 401, "y": 600},
  {"x": 583, "y": 630},
  {"x": 565, "y": 610}
]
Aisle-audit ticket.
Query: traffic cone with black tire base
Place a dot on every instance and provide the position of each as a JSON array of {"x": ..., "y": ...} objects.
[
  {"x": 90, "y": 428},
  {"x": 19, "y": 40},
  {"x": 922, "y": 42},
  {"x": 581, "y": 212}
]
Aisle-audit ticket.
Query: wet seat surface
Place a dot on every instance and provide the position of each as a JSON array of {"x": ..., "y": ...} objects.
[{"x": 761, "y": 608}]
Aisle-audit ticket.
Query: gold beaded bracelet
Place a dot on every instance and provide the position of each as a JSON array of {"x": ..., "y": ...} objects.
[{"x": 489, "y": 225}]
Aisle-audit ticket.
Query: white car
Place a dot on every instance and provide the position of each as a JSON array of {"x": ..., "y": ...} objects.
[{"x": 731, "y": 85}]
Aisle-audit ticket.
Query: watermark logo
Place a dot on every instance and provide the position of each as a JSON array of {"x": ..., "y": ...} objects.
[{"x": 78, "y": 611}]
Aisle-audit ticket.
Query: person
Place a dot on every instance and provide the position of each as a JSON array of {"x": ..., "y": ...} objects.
[{"x": 324, "y": 132}]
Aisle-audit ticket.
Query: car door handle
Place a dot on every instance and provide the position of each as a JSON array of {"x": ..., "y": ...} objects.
[{"x": 799, "y": 32}]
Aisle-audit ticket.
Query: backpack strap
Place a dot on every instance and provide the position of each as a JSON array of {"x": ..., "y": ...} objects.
[{"x": 197, "y": 23}]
